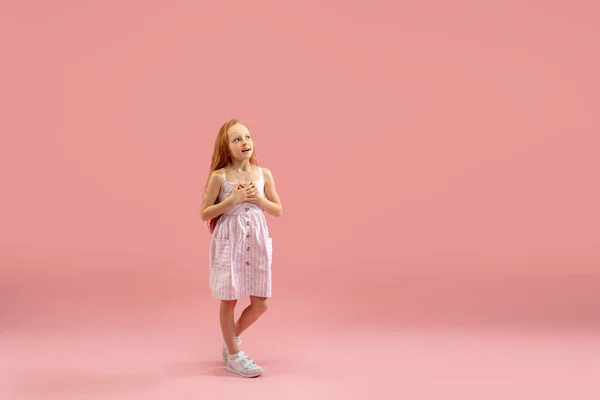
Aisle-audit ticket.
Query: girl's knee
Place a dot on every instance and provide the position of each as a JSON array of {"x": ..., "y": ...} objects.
[{"x": 260, "y": 304}]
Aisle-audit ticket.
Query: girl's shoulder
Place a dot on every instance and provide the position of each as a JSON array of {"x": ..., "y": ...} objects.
[
  {"x": 267, "y": 175},
  {"x": 264, "y": 170},
  {"x": 217, "y": 174},
  {"x": 218, "y": 171}
]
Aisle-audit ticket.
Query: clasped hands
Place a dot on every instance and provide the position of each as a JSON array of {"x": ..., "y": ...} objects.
[{"x": 245, "y": 193}]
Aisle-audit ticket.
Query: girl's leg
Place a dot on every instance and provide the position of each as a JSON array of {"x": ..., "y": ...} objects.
[
  {"x": 257, "y": 307},
  {"x": 227, "y": 319},
  {"x": 240, "y": 363}
]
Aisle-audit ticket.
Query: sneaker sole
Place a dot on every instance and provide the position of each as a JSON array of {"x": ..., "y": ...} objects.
[{"x": 233, "y": 371}]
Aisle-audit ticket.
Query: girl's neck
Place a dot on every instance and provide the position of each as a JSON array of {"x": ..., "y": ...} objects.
[{"x": 244, "y": 165}]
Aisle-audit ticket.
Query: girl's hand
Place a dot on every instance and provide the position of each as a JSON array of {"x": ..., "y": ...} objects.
[
  {"x": 238, "y": 194},
  {"x": 252, "y": 194}
]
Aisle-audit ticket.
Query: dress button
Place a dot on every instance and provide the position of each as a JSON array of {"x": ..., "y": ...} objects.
[
  {"x": 247, "y": 262},
  {"x": 247, "y": 248},
  {"x": 247, "y": 209},
  {"x": 248, "y": 236},
  {"x": 247, "y": 222}
]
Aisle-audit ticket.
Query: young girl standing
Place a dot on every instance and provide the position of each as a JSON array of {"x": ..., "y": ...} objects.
[{"x": 237, "y": 196}]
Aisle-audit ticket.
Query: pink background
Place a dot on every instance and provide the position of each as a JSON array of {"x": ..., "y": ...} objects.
[{"x": 438, "y": 163}]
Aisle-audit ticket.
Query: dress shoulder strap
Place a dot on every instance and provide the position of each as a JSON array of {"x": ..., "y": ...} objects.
[
  {"x": 224, "y": 175},
  {"x": 261, "y": 173}
]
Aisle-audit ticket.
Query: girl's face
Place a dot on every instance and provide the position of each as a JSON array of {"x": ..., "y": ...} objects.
[{"x": 240, "y": 142}]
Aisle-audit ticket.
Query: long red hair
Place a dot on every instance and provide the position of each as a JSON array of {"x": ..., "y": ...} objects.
[{"x": 221, "y": 158}]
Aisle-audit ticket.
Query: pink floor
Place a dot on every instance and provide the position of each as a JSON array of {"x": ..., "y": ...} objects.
[{"x": 173, "y": 352}]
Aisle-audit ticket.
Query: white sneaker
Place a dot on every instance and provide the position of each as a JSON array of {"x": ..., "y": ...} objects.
[
  {"x": 243, "y": 365},
  {"x": 225, "y": 351}
]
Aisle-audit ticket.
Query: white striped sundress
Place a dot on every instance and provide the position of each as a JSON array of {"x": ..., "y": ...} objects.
[{"x": 241, "y": 251}]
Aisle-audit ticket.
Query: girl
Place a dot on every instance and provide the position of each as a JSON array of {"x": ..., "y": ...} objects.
[{"x": 237, "y": 195}]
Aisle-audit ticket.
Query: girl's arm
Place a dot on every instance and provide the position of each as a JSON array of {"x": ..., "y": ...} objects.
[
  {"x": 209, "y": 209},
  {"x": 270, "y": 202}
]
